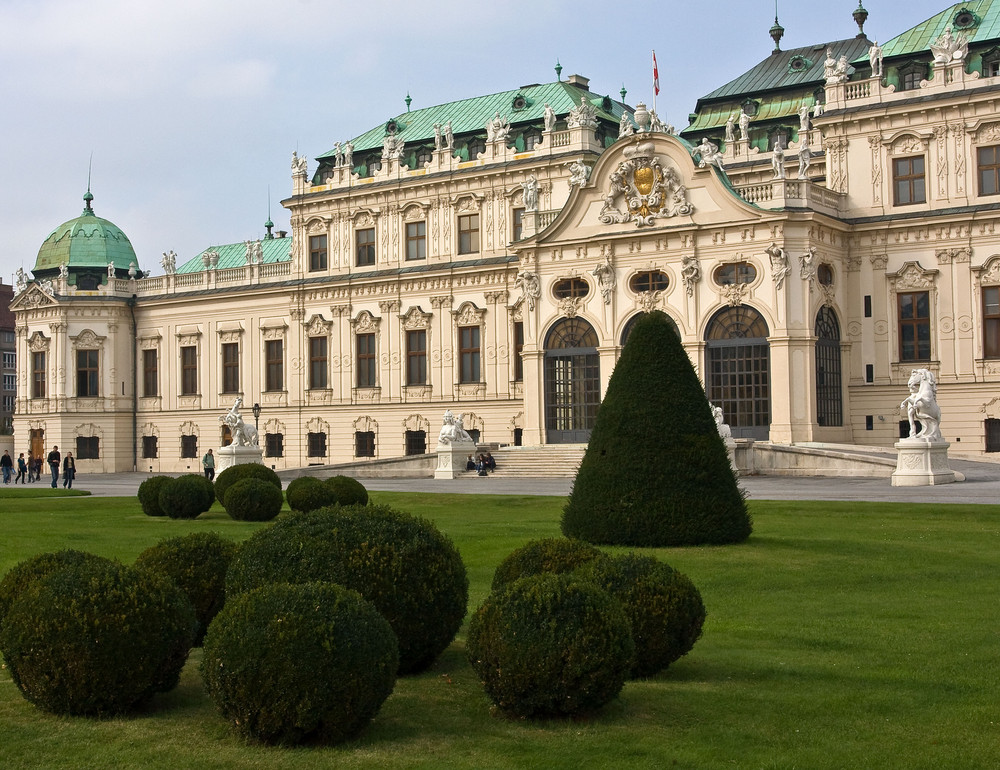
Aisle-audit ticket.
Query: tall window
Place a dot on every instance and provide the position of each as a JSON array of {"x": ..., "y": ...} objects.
[
  {"x": 364, "y": 246},
  {"x": 317, "y": 362},
  {"x": 274, "y": 444},
  {"x": 829, "y": 399},
  {"x": 189, "y": 446},
  {"x": 989, "y": 170},
  {"x": 274, "y": 362},
  {"x": 150, "y": 373},
  {"x": 189, "y": 370},
  {"x": 911, "y": 74},
  {"x": 366, "y": 361},
  {"x": 150, "y": 450},
  {"x": 469, "y": 352},
  {"x": 316, "y": 445},
  {"x": 908, "y": 181},
  {"x": 230, "y": 367},
  {"x": 517, "y": 217},
  {"x": 317, "y": 252},
  {"x": 468, "y": 234},
  {"x": 88, "y": 448},
  {"x": 518, "y": 348},
  {"x": 87, "y": 374},
  {"x": 416, "y": 442},
  {"x": 416, "y": 357},
  {"x": 364, "y": 443},
  {"x": 914, "y": 326},
  {"x": 991, "y": 321},
  {"x": 416, "y": 240},
  {"x": 38, "y": 375}
]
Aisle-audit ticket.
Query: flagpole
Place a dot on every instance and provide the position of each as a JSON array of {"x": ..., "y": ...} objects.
[{"x": 655, "y": 73}]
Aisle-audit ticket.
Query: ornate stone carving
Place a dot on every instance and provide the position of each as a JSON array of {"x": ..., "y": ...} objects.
[
  {"x": 388, "y": 306},
  {"x": 530, "y": 286},
  {"x": 734, "y": 293},
  {"x": 879, "y": 261},
  {"x": 708, "y": 154},
  {"x": 583, "y": 116},
  {"x": 945, "y": 256},
  {"x": 169, "y": 262},
  {"x": 907, "y": 145},
  {"x": 469, "y": 315},
  {"x": 39, "y": 343},
  {"x": 988, "y": 132},
  {"x": 911, "y": 276},
  {"x": 949, "y": 47},
  {"x": 606, "y": 280},
  {"x": 807, "y": 266},
  {"x": 416, "y": 318},
  {"x": 650, "y": 190},
  {"x": 365, "y": 323},
  {"x": 690, "y": 273},
  {"x": 300, "y": 166},
  {"x": 922, "y": 405},
  {"x": 989, "y": 274},
  {"x": 648, "y": 300},
  {"x": 318, "y": 326},
  {"x": 569, "y": 306},
  {"x": 441, "y": 302},
  {"x": 579, "y": 173},
  {"x": 530, "y": 193},
  {"x": 779, "y": 264},
  {"x": 87, "y": 339},
  {"x": 496, "y": 297}
]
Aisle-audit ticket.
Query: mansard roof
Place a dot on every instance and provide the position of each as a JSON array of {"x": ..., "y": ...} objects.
[
  {"x": 978, "y": 20},
  {"x": 234, "y": 255}
]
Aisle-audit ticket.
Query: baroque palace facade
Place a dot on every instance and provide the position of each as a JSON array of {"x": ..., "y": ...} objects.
[{"x": 827, "y": 222}]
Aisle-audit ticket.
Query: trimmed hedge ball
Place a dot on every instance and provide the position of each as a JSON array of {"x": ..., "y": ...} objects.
[
  {"x": 235, "y": 473},
  {"x": 187, "y": 496},
  {"x": 404, "y": 565},
  {"x": 149, "y": 495},
  {"x": 347, "y": 491},
  {"x": 307, "y": 493},
  {"x": 554, "y": 554},
  {"x": 26, "y": 572},
  {"x": 197, "y": 563},
  {"x": 290, "y": 663},
  {"x": 97, "y": 638},
  {"x": 253, "y": 500},
  {"x": 550, "y": 645},
  {"x": 663, "y": 605}
]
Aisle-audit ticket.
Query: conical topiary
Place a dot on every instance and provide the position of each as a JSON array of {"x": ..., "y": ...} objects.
[{"x": 656, "y": 471}]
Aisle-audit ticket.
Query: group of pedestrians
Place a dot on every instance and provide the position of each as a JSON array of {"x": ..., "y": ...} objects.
[
  {"x": 30, "y": 469},
  {"x": 482, "y": 464}
]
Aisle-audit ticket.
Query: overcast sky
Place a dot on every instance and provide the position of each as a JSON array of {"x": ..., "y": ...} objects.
[{"x": 192, "y": 108}]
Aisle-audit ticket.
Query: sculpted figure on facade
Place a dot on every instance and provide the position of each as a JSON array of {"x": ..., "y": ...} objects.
[
  {"x": 248, "y": 252},
  {"x": 804, "y": 111},
  {"x": 449, "y": 137},
  {"x": 606, "y": 281},
  {"x": 744, "y": 126},
  {"x": 778, "y": 161},
  {"x": 875, "y": 59},
  {"x": 63, "y": 270},
  {"x": 656, "y": 125},
  {"x": 830, "y": 68},
  {"x": 805, "y": 157},
  {"x": 579, "y": 173},
  {"x": 949, "y": 47},
  {"x": 709, "y": 154},
  {"x": 498, "y": 129},
  {"x": 169, "y": 262},
  {"x": 338, "y": 154},
  {"x": 530, "y": 286},
  {"x": 584, "y": 116},
  {"x": 625, "y": 127},
  {"x": 47, "y": 287},
  {"x": 690, "y": 273},
  {"x": 779, "y": 264},
  {"x": 257, "y": 253},
  {"x": 730, "y": 129},
  {"x": 300, "y": 166},
  {"x": 648, "y": 189},
  {"x": 438, "y": 136},
  {"x": 807, "y": 264},
  {"x": 550, "y": 118},
  {"x": 720, "y": 422},
  {"x": 453, "y": 430},
  {"x": 921, "y": 405},
  {"x": 20, "y": 280},
  {"x": 349, "y": 155},
  {"x": 844, "y": 69},
  {"x": 243, "y": 434},
  {"x": 392, "y": 147},
  {"x": 530, "y": 187},
  {"x": 111, "y": 269}
]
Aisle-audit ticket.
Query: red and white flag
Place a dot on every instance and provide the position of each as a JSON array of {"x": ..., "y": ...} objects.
[{"x": 656, "y": 76}]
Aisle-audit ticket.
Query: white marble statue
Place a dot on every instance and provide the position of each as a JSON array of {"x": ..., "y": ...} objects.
[
  {"x": 731, "y": 129},
  {"x": 625, "y": 127},
  {"x": 248, "y": 252},
  {"x": 744, "y": 126},
  {"x": 338, "y": 154},
  {"x": 804, "y": 111},
  {"x": 449, "y": 137},
  {"x": 921, "y": 405},
  {"x": 805, "y": 157},
  {"x": 111, "y": 269},
  {"x": 530, "y": 187},
  {"x": 875, "y": 59},
  {"x": 392, "y": 147},
  {"x": 830, "y": 68},
  {"x": 243, "y": 434},
  {"x": 550, "y": 118},
  {"x": 497, "y": 129},
  {"x": 579, "y": 173},
  {"x": 257, "y": 252},
  {"x": 528, "y": 283},
  {"x": 584, "y": 116},
  {"x": 606, "y": 281},
  {"x": 779, "y": 264},
  {"x": 778, "y": 161},
  {"x": 349, "y": 155},
  {"x": 690, "y": 273},
  {"x": 169, "y": 262},
  {"x": 47, "y": 287},
  {"x": 844, "y": 69},
  {"x": 657, "y": 125},
  {"x": 949, "y": 47},
  {"x": 453, "y": 430},
  {"x": 438, "y": 137},
  {"x": 63, "y": 270},
  {"x": 720, "y": 422},
  {"x": 807, "y": 264},
  {"x": 300, "y": 166},
  {"x": 710, "y": 155},
  {"x": 20, "y": 280}
]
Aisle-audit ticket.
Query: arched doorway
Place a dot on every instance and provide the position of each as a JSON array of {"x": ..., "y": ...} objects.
[
  {"x": 572, "y": 381},
  {"x": 829, "y": 395},
  {"x": 739, "y": 370}
]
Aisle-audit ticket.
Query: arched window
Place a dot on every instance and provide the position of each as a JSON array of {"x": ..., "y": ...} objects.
[
  {"x": 570, "y": 287},
  {"x": 649, "y": 280},
  {"x": 738, "y": 377},
  {"x": 572, "y": 381},
  {"x": 829, "y": 396},
  {"x": 735, "y": 272}
]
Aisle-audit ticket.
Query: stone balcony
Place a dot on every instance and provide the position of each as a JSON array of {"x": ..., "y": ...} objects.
[{"x": 795, "y": 194}]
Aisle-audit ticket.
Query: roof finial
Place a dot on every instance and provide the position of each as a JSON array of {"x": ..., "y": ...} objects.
[
  {"x": 558, "y": 71},
  {"x": 268, "y": 225},
  {"x": 860, "y": 17},
  {"x": 88, "y": 197},
  {"x": 777, "y": 31},
  {"x": 623, "y": 92},
  {"x": 407, "y": 100}
]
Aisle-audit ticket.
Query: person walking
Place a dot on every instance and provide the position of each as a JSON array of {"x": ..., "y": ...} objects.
[
  {"x": 69, "y": 471},
  {"x": 54, "y": 459},
  {"x": 22, "y": 469},
  {"x": 208, "y": 462},
  {"x": 36, "y": 467},
  {"x": 7, "y": 464}
]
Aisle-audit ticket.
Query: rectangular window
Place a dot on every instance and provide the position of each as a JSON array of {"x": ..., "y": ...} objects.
[
  {"x": 868, "y": 306},
  {"x": 416, "y": 240},
  {"x": 9, "y": 361},
  {"x": 274, "y": 444},
  {"x": 317, "y": 363},
  {"x": 364, "y": 243},
  {"x": 317, "y": 253},
  {"x": 416, "y": 357},
  {"x": 38, "y": 375},
  {"x": 10, "y": 382},
  {"x": 149, "y": 447},
  {"x": 364, "y": 443},
  {"x": 989, "y": 170},
  {"x": 869, "y": 422},
  {"x": 274, "y": 363},
  {"x": 316, "y": 445},
  {"x": 189, "y": 446},
  {"x": 416, "y": 442},
  {"x": 992, "y": 427},
  {"x": 991, "y": 321},
  {"x": 189, "y": 371},
  {"x": 231, "y": 367},
  {"x": 908, "y": 181},
  {"x": 468, "y": 234},
  {"x": 88, "y": 448},
  {"x": 518, "y": 348},
  {"x": 366, "y": 361},
  {"x": 87, "y": 374},
  {"x": 468, "y": 350},
  {"x": 869, "y": 372},
  {"x": 150, "y": 374},
  {"x": 914, "y": 326},
  {"x": 517, "y": 217}
]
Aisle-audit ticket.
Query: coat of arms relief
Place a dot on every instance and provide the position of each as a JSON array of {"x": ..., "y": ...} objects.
[{"x": 647, "y": 189}]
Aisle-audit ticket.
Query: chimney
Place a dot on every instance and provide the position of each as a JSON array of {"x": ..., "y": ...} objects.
[{"x": 579, "y": 81}]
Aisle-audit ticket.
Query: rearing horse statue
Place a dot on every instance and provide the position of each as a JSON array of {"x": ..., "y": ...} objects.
[{"x": 922, "y": 405}]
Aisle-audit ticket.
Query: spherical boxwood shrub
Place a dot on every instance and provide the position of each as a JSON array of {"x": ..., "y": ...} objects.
[
  {"x": 307, "y": 493},
  {"x": 411, "y": 572},
  {"x": 253, "y": 500},
  {"x": 24, "y": 573},
  {"x": 197, "y": 563},
  {"x": 235, "y": 473},
  {"x": 149, "y": 495},
  {"x": 289, "y": 663},
  {"x": 550, "y": 645},
  {"x": 554, "y": 554},
  {"x": 97, "y": 638},
  {"x": 663, "y": 605},
  {"x": 347, "y": 491},
  {"x": 187, "y": 496}
]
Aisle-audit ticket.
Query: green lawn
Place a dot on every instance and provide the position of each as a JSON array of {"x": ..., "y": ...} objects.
[{"x": 842, "y": 635}]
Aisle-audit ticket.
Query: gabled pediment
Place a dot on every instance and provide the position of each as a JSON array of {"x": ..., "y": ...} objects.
[{"x": 33, "y": 297}]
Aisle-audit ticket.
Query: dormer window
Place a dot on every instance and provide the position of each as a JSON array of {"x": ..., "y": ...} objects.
[
  {"x": 965, "y": 19},
  {"x": 798, "y": 64},
  {"x": 750, "y": 107},
  {"x": 911, "y": 74},
  {"x": 519, "y": 102}
]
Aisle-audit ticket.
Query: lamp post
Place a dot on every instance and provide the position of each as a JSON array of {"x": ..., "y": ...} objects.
[{"x": 256, "y": 416}]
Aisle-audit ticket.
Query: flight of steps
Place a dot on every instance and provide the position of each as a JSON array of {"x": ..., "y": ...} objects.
[{"x": 554, "y": 461}]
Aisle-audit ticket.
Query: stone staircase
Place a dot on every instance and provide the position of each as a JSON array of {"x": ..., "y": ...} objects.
[{"x": 554, "y": 461}]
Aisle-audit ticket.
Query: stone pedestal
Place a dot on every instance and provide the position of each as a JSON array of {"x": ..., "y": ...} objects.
[
  {"x": 922, "y": 463},
  {"x": 452, "y": 458},
  {"x": 231, "y": 455}
]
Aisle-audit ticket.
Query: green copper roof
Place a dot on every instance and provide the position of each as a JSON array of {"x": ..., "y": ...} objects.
[
  {"x": 87, "y": 241},
  {"x": 985, "y": 25},
  {"x": 471, "y": 115},
  {"x": 235, "y": 255}
]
